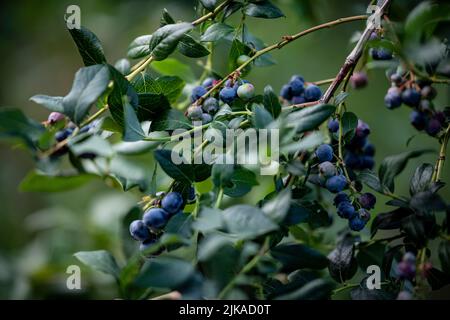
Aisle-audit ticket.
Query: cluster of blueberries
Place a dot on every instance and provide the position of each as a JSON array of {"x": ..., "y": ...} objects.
[
  {"x": 298, "y": 91},
  {"x": 357, "y": 212},
  {"x": 418, "y": 95},
  {"x": 231, "y": 90},
  {"x": 146, "y": 230},
  {"x": 360, "y": 152},
  {"x": 406, "y": 269}
]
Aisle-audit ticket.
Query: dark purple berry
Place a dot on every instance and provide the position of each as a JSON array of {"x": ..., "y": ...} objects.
[
  {"x": 369, "y": 149},
  {"x": 362, "y": 129},
  {"x": 418, "y": 120},
  {"x": 428, "y": 92},
  {"x": 333, "y": 125},
  {"x": 341, "y": 197},
  {"x": 396, "y": 79},
  {"x": 356, "y": 223},
  {"x": 346, "y": 210},
  {"x": 358, "y": 80},
  {"x": 367, "y": 200},
  {"x": 434, "y": 126},
  {"x": 411, "y": 97}
]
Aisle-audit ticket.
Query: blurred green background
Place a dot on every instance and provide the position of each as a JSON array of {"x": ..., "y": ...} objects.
[{"x": 40, "y": 232}]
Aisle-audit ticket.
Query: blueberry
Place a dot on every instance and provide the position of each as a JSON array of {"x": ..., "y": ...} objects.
[
  {"x": 352, "y": 160},
  {"x": 197, "y": 93},
  {"x": 418, "y": 120},
  {"x": 206, "y": 118},
  {"x": 396, "y": 79},
  {"x": 356, "y": 224},
  {"x": 362, "y": 129},
  {"x": 358, "y": 80},
  {"x": 409, "y": 257},
  {"x": 336, "y": 184},
  {"x": 434, "y": 126},
  {"x": 298, "y": 100},
  {"x": 369, "y": 149},
  {"x": 297, "y": 86},
  {"x": 428, "y": 92},
  {"x": 312, "y": 93},
  {"x": 327, "y": 169},
  {"x": 341, "y": 197},
  {"x": 384, "y": 54},
  {"x": 440, "y": 116},
  {"x": 172, "y": 202},
  {"x": 411, "y": 97},
  {"x": 324, "y": 153},
  {"x": 364, "y": 215},
  {"x": 232, "y": 84},
  {"x": 227, "y": 94},
  {"x": 63, "y": 134},
  {"x": 367, "y": 162},
  {"x": 367, "y": 200},
  {"x": 373, "y": 36},
  {"x": 406, "y": 270},
  {"x": 286, "y": 92},
  {"x": 155, "y": 218},
  {"x": 346, "y": 210},
  {"x": 139, "y": 230},
  {"x": 191, "y": 195},
  {"x": 373, "y": 52},
  {"x": 246, "y": 91},
  {"x": 208, "y": 83},
  {"x": 211, "y": 105},
  {"x": 297, "y": 77},
  {"x": 55, "y": 117},
  {"x": 333, "y": 125},
  {"x": 356, "y": 143},
  {"x": 393, "y": 98},
  {"x": 194, "y": 113}
]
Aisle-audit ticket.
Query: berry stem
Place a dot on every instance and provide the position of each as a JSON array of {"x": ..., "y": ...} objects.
[
  {"x": 440, "y": 161},
  {"x": 212, "y": 14},
  {"x": 140, "y": 68},
  {"x": 353, "y": 57},
  {"x": 219, "y": 198},
  {"x": 278, "y": 45}
]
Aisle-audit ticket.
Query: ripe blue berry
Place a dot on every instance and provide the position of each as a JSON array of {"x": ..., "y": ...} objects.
[
  {"x": 366, "y": 162},
  {"x": 297, "y": 86},
  {"x": 208, "y": 83},
  {"x": 63, "y": 134},
  {"x": 298, "y": 100},
  {"x": 384, "y": 54},
  {"x": 246, "y": 91},
  {"x": 358, "y": 80},
  {"x": 393, "y": 98},
  {"x": 333, "y": 125},
  {"x": 206, "y": 118},
  {"x": 346, "y": 210},
  {"x": 197, "y": 92},
  {"x": 336, "y": 184},
  {"x": 211, "y": 105},
  {"x": 367, "y": 200},
  {"x": 227, "y": 94},
  {"x": 362, "y": 130},
  {"x": 312, "y": 93},
  {"x": 369, "y": 149},
  {"x": 341, "y": 197},
  {"x": 434, "y": 126},
  {"x": 286, "y": 92},
  {"x": 155, "y": 218},
  {"x": 147, "y": 244},
  {"x": 418, "y": 120},
  {"x": 411, "y": 97},
  {"x": 327, "y": 169},
  {"x": 324, "y": 153},
  {"x": 409, "y": 257},
  {"x": 364, "y": 215},
  {"x": 356, "y": 224},
  {"x": 194, "y": 113},
  {"x": 297, "y": 77},
  {"x": 428, "y": 92},
  {"x": 406, "y": 270},
  {"x": 396, "y": 78},
  {"x": 55, "y": 117},
  {"x": 172, "y": 202},
  {"x": 139, "y": 230}
]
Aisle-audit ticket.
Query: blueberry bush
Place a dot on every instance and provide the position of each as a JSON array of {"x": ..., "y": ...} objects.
[{"x": 180, "y": 240}]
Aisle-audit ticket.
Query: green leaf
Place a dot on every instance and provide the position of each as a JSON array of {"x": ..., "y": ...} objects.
[
  {"x": 209, "y": 4},
  {"x": 169, "y": 86},
  {"x": 271, "y": 102},
  {"x": 241, "y": 182},
  {"x": 278, "y": 207},
  {"x": 298, "y": 256},
  {"x": 132, "y": 127},
  {"x": 37, "y": 182},
  {"x": 94, "y": 144},
  {"x": 49, "y": 102},
  {"x": 340, "y": 98},
  {"x": 421, "y": 179},
  {"x": 343, "y": 265},
  {"x": 181, "y": 225},
  {"x": 370, "y": 255},
  {"x": 208, "y": 220},
  {"x": 180, "y": 172},
  {"x": 263, "y": 9},
  {"x": 139, "y": 47},
  {"x": 189, "y": 47},
  {"x": 247, "y": 222},
  {"x": 309, "y": 118},
  {"x": 217, "y": 31},
  {"x": 260, "y": 117},
  {"x": 165, "y": 273},
  {"x": 424, "y": 19},
  {"x": 89, "y": 85},
  {"x": 173, "y": 67},
  {"x": 349, "y": 122},
  {"x": 394, "y": 165},
  {"x": 14, "y": 124},
  {"x": 88, "y": 45},
  {"x": 165, "y": 40},
  {"x": 100, "y": 260},
  {"x": 171, "y": 119},
  {"x": 370, "y": 179},
  {"x": 309, "y": 142}
]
